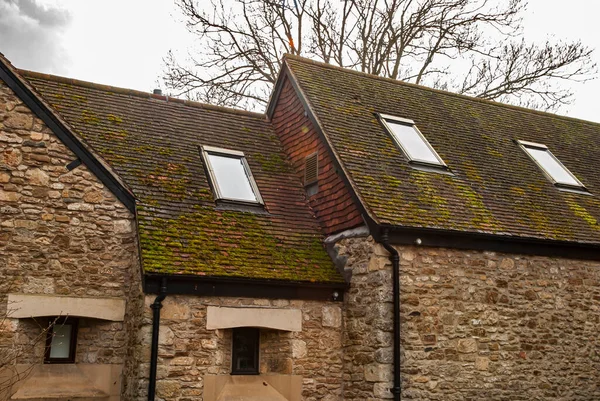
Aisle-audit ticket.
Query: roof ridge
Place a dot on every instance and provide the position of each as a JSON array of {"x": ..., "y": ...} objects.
[
  {"x": 137, "y": 93},
  {"x": 439, "y": 91}
]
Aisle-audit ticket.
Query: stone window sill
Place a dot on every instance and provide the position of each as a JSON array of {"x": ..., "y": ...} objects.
[
  {"x": 69, "y": 382},
  {"x": 252, "y": 388}
]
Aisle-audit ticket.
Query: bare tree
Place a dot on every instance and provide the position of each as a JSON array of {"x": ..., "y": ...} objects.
[{"x": 468, "y": 46}]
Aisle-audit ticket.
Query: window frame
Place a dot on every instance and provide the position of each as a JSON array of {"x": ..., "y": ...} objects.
[
  {"x": 234, "y": 154},
  {"x": 255, "y": 332},
  {"x": 524, "y": 145},
  {"x": 61, "y": 320},
  {"x": 441, "y": 165}
]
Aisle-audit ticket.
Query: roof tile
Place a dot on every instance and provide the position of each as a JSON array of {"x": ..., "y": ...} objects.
[
  {"x": 496, "y": 188},
  {"x": 153, "y": 143}
]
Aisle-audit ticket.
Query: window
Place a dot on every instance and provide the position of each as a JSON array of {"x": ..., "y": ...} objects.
[
  {"x": 411, "y": 141},
  {"x": 61, "y": 339},
  {"x": 245, "y": 351},
  {"x": 551, "y": 166},
  {"x": 230, "y": 175}
]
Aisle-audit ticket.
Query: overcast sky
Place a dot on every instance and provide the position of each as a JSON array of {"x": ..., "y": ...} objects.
[{"x": 122, "y": 42}]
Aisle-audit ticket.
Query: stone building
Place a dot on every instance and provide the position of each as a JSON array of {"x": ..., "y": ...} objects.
[{"x": 364, "y": 239}]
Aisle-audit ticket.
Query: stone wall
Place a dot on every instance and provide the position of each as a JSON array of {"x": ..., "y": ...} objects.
[
  {"x": 61, "y": 233},
  {"x": 474, "y": 325},
  {"x": 188, "y": 351}
]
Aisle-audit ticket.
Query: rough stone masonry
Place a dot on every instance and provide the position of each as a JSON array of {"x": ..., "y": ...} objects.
[
  {"x": 61, "y": 233},
  {"x": 474, "y": 325}
]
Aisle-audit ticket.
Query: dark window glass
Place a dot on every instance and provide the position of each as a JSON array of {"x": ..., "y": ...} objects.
[
  {"x": 61, "y": 340},
  {"x": 245, "y": 351}
]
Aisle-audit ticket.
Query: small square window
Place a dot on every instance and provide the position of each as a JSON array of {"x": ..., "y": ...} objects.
[
  {"x": 556, "y": 172},
  {"x": 61, "y": 340},
  {"x": 230, "y": 175},
  {"x": 412, "y": 142},
  {"x": 245, "y": 351}
]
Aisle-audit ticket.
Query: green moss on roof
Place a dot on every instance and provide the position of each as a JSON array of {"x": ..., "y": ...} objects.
[
  {"x": 496, "y": 188},
  {"x": 154, "y": 147},
  {"x": 583, "y": 214},
  {"x": 271, "y": 162},
  {"x": 114, "y": 119},
  {"x": 232, "y": 244},
  {"x": 89, "y": 118}
]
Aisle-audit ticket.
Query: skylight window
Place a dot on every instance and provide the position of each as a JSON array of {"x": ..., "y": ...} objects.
[
  {"x": 550, "y": 165},
  {"x": 230, "y": 175},
  {"x": 412, "y": 142}
]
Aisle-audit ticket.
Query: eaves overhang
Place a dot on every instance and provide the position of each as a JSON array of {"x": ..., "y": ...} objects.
[
  {"x": 177, "y": 284},
  {"x": 431, "y": 237}
]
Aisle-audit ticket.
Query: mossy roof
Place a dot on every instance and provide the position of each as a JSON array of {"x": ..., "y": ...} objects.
[
  {"x": 153, "y": 142},
  {"x": 496, "y": 188}
]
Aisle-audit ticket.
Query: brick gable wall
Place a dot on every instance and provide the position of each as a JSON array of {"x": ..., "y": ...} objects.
[{"x": 332, "y": 204}]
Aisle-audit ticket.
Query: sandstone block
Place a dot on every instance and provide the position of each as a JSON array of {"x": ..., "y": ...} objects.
[
  {"x": 86, "y": 207},
  {"x": 377, "y": 372},
  {"x": 10, "y": 138},
  {"x": 507, "y": 264},
  {"x": 11, "y": 157},
  {"x": 40, "y": 192},
  {"x": 37, "y": 177},
  {"x": 174, "y": 310},
  {"x": 4, "y": 177},
  {"x": 298, "y": 349},
  {"x": 182, "y": 361},
  {"x": 9, "y": 196},
  {"x": 167, "y": 388},
  {"x": 28, "y": 224},
  {"x": 408, "y": 255},
  {"x": 482, "y": 363},
  {"x": 122, "y": 226},
  {"x": 19, "y": 121},
  {"x": 467, "y": 345},
  {"x": 378, "y": 263},
  {"x": 332, "y": 316},
  {"x": 39, "y": 285},
  {"x": 93, "y": 197},
  {"x": 209, "y": 344},
  {"x": 36, "y": 136},
  {"x": 382, "y": 390}
]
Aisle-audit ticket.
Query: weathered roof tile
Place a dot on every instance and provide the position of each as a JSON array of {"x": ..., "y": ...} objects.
[
  {"x": 496, "y": 188},
  {"x": 153, "y": 143}
]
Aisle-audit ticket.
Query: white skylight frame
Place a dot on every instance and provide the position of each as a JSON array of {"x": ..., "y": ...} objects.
[
  {"x": 233, "y": 154},
  {"x": 439, "y": 163},
  {"x": 575, "y": 184}
]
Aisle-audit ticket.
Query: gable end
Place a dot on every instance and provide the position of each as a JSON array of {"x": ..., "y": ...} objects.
[{"x": 42, "y": 111}]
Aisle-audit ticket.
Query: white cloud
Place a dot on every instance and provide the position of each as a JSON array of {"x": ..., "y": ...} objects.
[{"x": 31, "y": 35}]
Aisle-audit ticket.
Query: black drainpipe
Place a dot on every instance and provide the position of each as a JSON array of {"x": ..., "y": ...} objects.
[
  {"x": 156, "y": 307},
  {"x": 395, "y": 259}
]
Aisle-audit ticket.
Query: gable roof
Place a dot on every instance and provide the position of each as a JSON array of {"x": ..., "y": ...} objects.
[
  {"x": 11, "y": 76},
  {"x": 496, "y": 189},
  {"x": 153, "y": 142}
]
